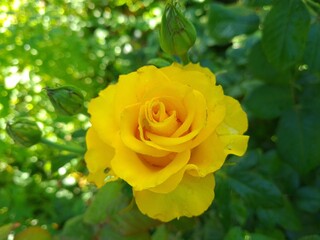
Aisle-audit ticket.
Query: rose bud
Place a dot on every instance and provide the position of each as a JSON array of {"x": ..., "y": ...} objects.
[
  {"x": 177, "y": 34},
  {"x": 24, "y": 131},
  {"x": 66, "y": 100}
]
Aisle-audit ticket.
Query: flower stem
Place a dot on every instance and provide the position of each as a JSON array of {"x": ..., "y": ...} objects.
[
  {"x": 185, "y": 59},
  {"x": 63, "y": 147}
]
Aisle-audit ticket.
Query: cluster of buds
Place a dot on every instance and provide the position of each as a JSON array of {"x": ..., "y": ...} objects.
[
  {"x": 177, "y": 34},
  {"x": 66, "y": 100}
]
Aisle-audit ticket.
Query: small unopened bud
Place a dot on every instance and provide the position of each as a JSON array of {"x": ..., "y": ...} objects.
[
  {"x": 24, "y": 131},
  {"x": 177, "y": 34},
  {"x": 66, "y": 100}
]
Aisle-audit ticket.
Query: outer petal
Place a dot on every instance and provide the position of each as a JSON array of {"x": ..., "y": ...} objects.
[
  {"x": 191, "y": 198},
  {"x": 141, "y": 175},
  {"x": 235, "y": 121},
  {"x": 102, "y": 114},
  {"x": 235, "y": 144},
  {"x": 208, "y": 157},
  {"x": 197, "y": 77},
  {"x": 98, "y": 157}
]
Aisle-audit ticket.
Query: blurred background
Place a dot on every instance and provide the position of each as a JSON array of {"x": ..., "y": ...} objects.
[{"x": 264, "y": 53}]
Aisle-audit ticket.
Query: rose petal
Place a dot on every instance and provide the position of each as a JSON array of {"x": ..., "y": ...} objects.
[
  {"x": 235, "y": 144},
  {"x": 102, "y": 114},
  {"x": 198, "y": 78},
  {"x": 129, "y": 128},
  {"x": 98, "y": 158},
  {"x": 197, "y": 113},
  {"x": 208, "y": 157},
  {"x": 191, "y": 197},
  {"x": 163, "y": 122},
  {"x": 214, "y": 119},
  {"x": 141, "y": 175},
  {"x": 235, "y": 121}
]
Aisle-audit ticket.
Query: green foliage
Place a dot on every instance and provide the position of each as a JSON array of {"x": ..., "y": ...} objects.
[
  {"x": 265, "y": 53},
  {"x": 285, "y": 32},
  {"x": 226, "y": 22}
]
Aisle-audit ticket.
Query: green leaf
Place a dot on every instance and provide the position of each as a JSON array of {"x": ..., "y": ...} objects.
[
  {"x": 114, "y": 205},
  {"x": 268, "y": 101},
  {"x": 259, "y": 236},
  {"x": 260, "y": 67},
  {"x": 238, "y": 53},
  {"x": 235, "y": 233},
  {"x": 310, "y": 237},
  {"x": 76, "y": 229},
  {"x": 308, "y": 199},
  {"x": 108, "y": 201},
  {"x": 285, "y": 216},
  {"x": 60, "y": 161},
  {"x": 255, "y": 189},
  {"x": 299, "y": 140},
  {"x": 226, "y": 22},
  {"x": 239, "y": 210},
  {"x": 108, "y": 232},
  {"x": 248, "y": 161},
  {"x": 160, "y": 233},
  {"x": 257, "y": 3},
  {"x": 312, "y": 53},
  {"x": 285, "y": 32}
]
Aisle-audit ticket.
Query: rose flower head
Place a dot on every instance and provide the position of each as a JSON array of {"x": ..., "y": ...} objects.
[{"x": 165, "y": 131}]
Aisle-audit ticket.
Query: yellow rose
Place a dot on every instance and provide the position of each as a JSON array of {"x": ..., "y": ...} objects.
[{"x": 165, "y": 131}]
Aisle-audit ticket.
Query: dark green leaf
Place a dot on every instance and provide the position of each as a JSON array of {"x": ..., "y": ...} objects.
[
  {"x": 257, "y": 3},
  {"x": 260, "y": 67},
  {"x": 259, "y": 236},
  {"x": 255, "y": 189},
  {"x": 108, "y": 201},
  {"x": 60, "y": 161},
  {"x": 299, "y": 140},
  {"x": 160, "y": 233},
  {"x": 286, "y": 216},
  {"x": 308, "y": 199},
  {"x": 310, "y": 237},
  {"x": 76, "y": 229},
  {"x": 226, "y": 22},
  {"x": 312, "y": 53},
  {"x": 285, "y": 32},
  {"x": 268, "y": 101},
  {"x": 235, "y": 233},
  {"x": 113, "y": 205},
  {"x": 108, "y": 232},
  {"x": 239, "y": 210},
  {"x": 248, "y": 161}
]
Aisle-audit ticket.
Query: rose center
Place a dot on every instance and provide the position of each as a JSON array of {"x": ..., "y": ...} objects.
[
  {"x": 157, "y": 111},
  {"x": 158, "y": 118}
]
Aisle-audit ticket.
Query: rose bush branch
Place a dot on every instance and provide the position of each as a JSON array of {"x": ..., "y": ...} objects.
[{"x": 63, "y": 147}]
